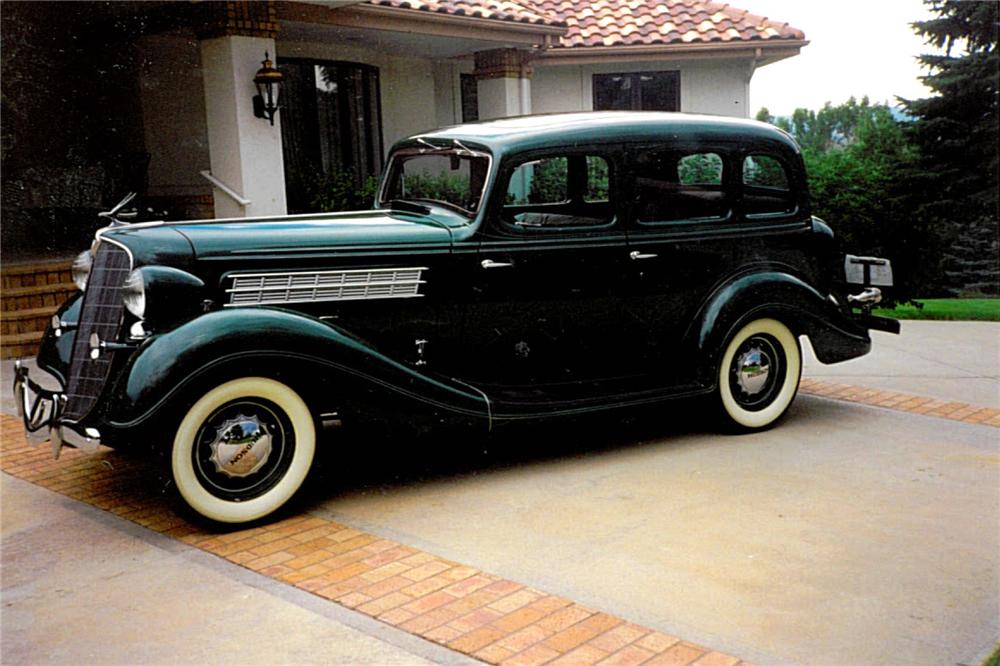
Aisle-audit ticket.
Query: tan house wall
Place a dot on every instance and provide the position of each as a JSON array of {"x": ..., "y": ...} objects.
[
  {"x": 715, "y": 87},
  {"x": 407, "y": 84}
]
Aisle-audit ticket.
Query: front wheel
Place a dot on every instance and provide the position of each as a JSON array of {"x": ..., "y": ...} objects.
[
  {"x": 243, "y": 449},
  {"x": 759, "y": 373}
]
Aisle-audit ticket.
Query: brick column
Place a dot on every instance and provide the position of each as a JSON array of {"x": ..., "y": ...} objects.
[{"x": 504, "y": 83}]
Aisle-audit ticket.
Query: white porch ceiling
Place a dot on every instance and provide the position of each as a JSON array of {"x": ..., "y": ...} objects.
[{"x": 388, "y": 41}]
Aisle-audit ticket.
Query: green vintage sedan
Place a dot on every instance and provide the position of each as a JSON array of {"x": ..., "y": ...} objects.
[{"x": 515, "y": 269}]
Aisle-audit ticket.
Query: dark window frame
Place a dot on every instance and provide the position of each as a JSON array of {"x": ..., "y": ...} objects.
[
  {"x": 636, "y": 101},
  {"x": 792, "y": 194},
  {"x": 729, "y": 186},
  {"x": 363, "y": 154},
  {"x": 497, "y": 205},
  {"x": 469, "y": 97}
]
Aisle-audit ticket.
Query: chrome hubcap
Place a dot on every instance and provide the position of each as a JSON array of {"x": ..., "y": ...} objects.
[
  {"x": 752, "y": 369},
  {"x": 241, "y": 447},
  {"x": 757, "y": 372}
]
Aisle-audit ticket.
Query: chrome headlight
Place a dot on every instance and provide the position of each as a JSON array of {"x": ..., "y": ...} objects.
[
  {"x": 81, "y": 269},
  {"x": 134, "y": 294}
]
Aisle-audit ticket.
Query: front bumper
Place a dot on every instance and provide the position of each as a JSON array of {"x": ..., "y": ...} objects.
[{"x": 40, "y": 409}]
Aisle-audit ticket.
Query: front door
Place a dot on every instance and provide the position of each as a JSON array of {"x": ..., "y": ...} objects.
[{"x": 544, "y": 324}]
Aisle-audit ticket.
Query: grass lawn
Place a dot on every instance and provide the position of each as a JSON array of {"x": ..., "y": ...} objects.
[{"x": 958, "y": 309}]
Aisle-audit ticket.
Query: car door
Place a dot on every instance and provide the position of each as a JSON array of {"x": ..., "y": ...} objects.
[
  {"x": 681, "y": 243},
  {"x": 544, "y": 315}
]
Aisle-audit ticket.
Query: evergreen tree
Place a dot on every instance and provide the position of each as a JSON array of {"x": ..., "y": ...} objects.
[{"x": 956, "y": 130}]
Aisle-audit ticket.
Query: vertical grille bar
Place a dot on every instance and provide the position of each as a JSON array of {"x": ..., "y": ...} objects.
[{"x": 100, "y": 313}]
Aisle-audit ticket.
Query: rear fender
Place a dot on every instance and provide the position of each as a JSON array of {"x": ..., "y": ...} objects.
[
  {"x": 313, "y": 356},
  {"x": 833, "y": 334}
]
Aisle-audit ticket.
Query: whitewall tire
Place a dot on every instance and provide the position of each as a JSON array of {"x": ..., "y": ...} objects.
[
  {"x": 759, "y": 373},
  {"x": 243, "y": 449}
]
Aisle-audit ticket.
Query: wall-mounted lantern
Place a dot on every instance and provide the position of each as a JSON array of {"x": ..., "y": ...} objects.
[{"x": 268, "y": 82}]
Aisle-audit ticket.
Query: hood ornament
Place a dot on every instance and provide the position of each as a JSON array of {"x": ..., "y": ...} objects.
[{"x": 116, "y": 215}]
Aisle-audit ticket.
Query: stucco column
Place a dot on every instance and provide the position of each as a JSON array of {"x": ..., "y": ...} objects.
[
  {"x": 503, "y": 83},
  {"x": 245, "y": 152}
]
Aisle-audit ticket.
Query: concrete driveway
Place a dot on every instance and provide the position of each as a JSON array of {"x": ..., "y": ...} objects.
[{"x": 848, "y": 534}]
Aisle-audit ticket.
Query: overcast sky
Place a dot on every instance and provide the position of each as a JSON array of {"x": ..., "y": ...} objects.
[{"x": 857, "y": 47}]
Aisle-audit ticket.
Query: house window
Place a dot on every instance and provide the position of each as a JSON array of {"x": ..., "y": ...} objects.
[
  {"x": 331, "y": 132},
  {"x": 638, "y": 91},
  {"x": 470, "y": 98}
]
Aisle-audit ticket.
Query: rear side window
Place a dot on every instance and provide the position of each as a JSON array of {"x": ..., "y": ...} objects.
[
  {"x": 677, "y": 186},
  {"x": 559, "y": 191},
  {"x": 766, "y": 187}
]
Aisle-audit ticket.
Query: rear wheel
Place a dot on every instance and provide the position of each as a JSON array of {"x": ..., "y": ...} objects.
[
  {"x": 759, "y": 373},
  {"x": 243, "y": 449}
]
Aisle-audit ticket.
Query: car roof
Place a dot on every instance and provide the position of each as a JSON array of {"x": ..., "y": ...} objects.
[{"x": 520, "y": 133}]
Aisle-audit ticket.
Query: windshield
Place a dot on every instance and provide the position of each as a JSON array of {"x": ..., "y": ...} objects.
[{"x": 453, "y": 178}]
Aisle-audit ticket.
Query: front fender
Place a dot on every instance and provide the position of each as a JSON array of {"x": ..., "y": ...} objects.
[
  {"x": 247, "y": 339},
  {"x": 834, "y": 335}
]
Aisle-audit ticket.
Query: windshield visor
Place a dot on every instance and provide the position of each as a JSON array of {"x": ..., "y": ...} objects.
[{"x": 455, "y": 179}]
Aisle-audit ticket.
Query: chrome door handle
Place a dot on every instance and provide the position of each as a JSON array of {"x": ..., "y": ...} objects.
[
  {"x": 635, "y": 254},
  {"x": 489, "y": 263}
]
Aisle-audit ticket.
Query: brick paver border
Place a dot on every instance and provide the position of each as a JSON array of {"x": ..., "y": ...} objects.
[
  {"x": 903, "y": 402},
  {"x": 471, "y": 611}
]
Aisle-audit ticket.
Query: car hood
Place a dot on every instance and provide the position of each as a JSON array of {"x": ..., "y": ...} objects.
[{"x": 318, "y": 233}]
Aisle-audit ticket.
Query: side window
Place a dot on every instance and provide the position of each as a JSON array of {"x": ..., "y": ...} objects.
[
  {"x": 559, "y": 191},
  {"x": 674, "y": 186},
  {"x": 766, "y": 187},
  {"x": 543, "y": 181}
]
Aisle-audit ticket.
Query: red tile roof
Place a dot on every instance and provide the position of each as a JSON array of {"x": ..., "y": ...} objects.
[
  {"x": 619, "y": 22},
  {"x": 628, "y": 22},
  {"x": 518, "y": 11}
]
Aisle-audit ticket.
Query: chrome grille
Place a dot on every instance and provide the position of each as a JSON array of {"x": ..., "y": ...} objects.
[
  {"x": 100, "y": 313},
  {"x": 320, "y": 286}
]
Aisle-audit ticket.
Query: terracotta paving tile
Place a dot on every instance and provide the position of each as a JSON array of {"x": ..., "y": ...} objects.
[
  {"x": 427, "y": 621},
  {"x": 524, "y": 638},
  {"x": 512, "y": 602},
  {"x": 476, "y": 639},
  {"x": 296, "y": 575},
  {"x": 473, "y": 601},
  {"x": 428, "y": 602},
  {"x": 396, "y": 616},
  {"x": 564, "y": 618},
  {"x": 271, "y": 559},
  {"x": 533, "y": 656},
  {"x": 424, "y": 570},
  {"x": 381, "y": 573},
  {"x": 468, "y": 586},
  {"x": 679, "y": 655},
  {"x": 428, "y": 585},
  {"x": 385, "y": 586},
  {"x": 549, "y": 604},
  {"x": 585, "y": 655},
  {"x": 581, "y": 632},
  {"x": 493, "y": 654},
  {"x": 442, "y": 634},
  {"x": 630, "y": 655},
  {"x": 657, "y": 642},
  {"x": 307, "y": 559},
  {"x": 355, "y": 599},
  {"x": 518, "y": 619},
  {"x": 475, "y": 619},
  {"x": 620, "y": 636},
  {"x": 717, "y": 659},
  {"x": 382, "y": 604}
]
